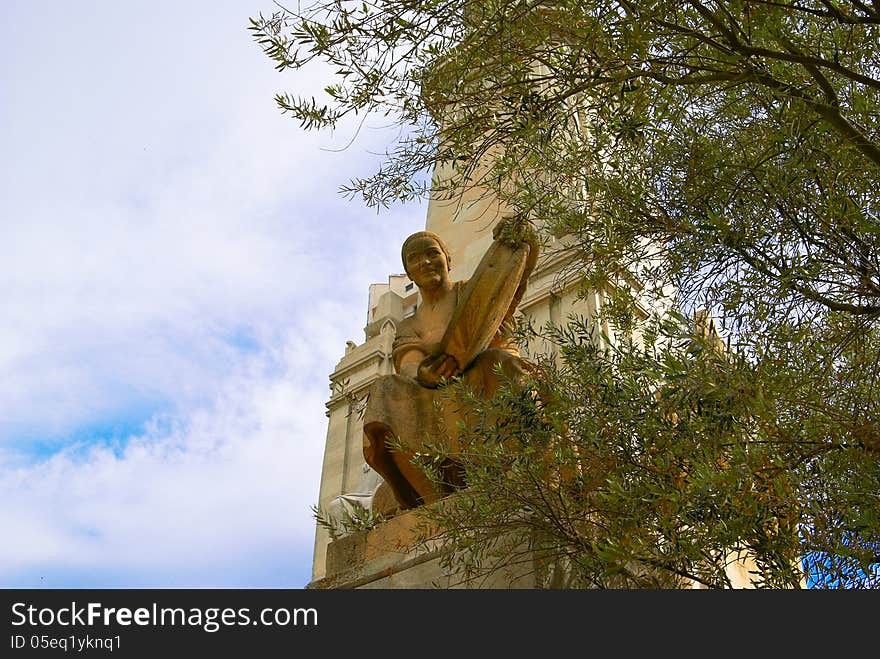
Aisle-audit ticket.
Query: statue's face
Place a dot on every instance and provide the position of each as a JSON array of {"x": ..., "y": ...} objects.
[{"x": 426, "y": 263}]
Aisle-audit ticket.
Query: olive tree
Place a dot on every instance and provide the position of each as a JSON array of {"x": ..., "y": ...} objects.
[{"x": 728, "y": 151}]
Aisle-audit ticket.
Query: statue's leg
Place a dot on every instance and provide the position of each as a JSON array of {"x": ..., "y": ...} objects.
[
  {"x": 381, "y": 457},
  {"x": 399, "y": 408},
  {"x": 415, "y": 475}
]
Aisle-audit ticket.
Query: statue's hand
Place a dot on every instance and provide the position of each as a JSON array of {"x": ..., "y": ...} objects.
[
  {"x": 513, "y": 231},
  {"x": 436, "y": 369}
]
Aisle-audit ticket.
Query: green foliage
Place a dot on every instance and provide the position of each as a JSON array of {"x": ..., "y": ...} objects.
[
  {"x": 630, "y": 469},
  {"x": 727, "y": 151},
  {"x": 349, "y": 520}
]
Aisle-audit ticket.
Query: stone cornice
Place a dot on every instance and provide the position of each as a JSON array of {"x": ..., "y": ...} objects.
[
  {"x": 353, "y": 390},
  {"x": 343, "y": 369}
]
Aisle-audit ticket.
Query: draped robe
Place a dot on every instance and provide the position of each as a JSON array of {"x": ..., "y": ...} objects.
[{"x": 477, "y": 335}]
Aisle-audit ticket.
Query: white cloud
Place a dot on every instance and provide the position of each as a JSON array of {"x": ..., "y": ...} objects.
[
  {"x": 173, "y": 249},
  {"x": 194, "y": 501},
  {"x": 127, "y": 273}
]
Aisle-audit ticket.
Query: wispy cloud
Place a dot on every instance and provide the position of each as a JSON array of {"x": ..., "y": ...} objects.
[
  {"x": 179, "y": 277},
  {"x": 203, "y": 498}
]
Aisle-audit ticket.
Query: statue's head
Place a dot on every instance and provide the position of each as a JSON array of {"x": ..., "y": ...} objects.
[{"x": 425, "y": 257}]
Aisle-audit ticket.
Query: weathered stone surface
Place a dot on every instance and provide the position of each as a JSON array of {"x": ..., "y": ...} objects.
[
  {"x": 363, "y": 556},
  {"x": 404, "y": 553},
  {"x": 399, "y": 553}
]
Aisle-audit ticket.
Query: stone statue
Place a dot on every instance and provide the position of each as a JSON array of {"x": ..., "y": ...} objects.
[{"x": 460, "y": 329}]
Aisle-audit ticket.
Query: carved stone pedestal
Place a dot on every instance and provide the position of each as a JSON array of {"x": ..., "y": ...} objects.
[
  {"x": 391, "y": 556},
  {"x": 394, "y": 555}
]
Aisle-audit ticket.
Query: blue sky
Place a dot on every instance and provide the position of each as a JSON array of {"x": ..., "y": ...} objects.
[{"x": 179, "y": 278}]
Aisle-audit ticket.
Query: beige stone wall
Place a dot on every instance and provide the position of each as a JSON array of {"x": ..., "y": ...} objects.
[
  {"x": 393, "y": 556},
  {"x": 343, "y": 451},
  {"x": 397, "y": 554},
  {"x": 465, "y": 223}
]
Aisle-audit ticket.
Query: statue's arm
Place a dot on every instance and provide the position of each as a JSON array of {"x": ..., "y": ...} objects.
[
  {"x": 412, "y": 359},
  {"x": 532, "y": 260},
  {"x": 407, "y": 348},
  {"x": 434, "y": 370},
  {"x": 408, "y": 363},
  {"x": 514, "y": 234},
  {"x": 428, "y": 370}
]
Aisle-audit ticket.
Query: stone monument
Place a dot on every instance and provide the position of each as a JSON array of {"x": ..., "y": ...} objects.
[
  {"x": 461, "y": 330},
  {"x": 447, "y": 316}
]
